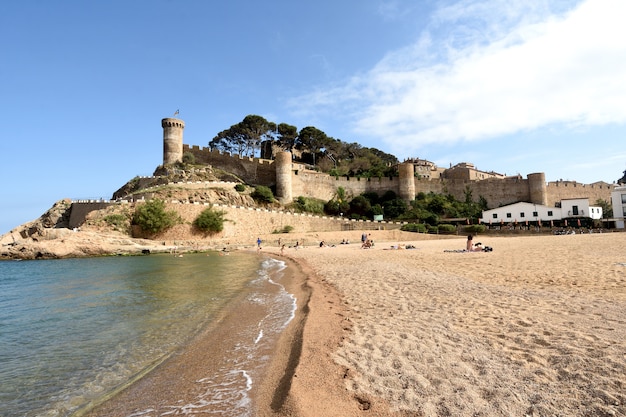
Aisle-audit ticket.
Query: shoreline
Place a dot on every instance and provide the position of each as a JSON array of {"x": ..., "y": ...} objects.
[
  {"x": 174, "y": 382},
  {"x": 536, "y": 327}
]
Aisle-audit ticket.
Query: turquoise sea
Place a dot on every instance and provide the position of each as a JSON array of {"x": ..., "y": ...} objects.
[{"x": 73, "y": 330}]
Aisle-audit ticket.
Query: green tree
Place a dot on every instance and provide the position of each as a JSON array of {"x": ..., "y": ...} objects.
[
  {"x": 245, "y": 137},
  {"x": 361, "y": 206},
  {"x": 394, "y": 208},
  {"x": 607, "y": 209},
  {"x": 152, "y": 217},
  {"x": 437, "y": 204},
  {"x": 210, "y": 221},
  {"x": 287, "y": 136},
  {"x": 311, "y": 141}
]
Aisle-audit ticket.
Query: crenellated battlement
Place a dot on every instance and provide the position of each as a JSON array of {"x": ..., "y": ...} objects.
[
  {"x": 291, "y": 179},
  {"x": 210, "y": 154},
  {"x": 596, "y": 185},
  {"x": 171, "y": 122}
]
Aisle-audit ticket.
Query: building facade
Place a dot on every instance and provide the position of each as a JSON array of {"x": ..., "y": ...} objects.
[
  {"x": 618, "y": 201},
  {"x": 570, "y": 209}
]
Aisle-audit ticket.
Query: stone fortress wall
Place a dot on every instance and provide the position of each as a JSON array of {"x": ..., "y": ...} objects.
[
  {"x": 292, "y": 179},
  {"x": 295, "y": 180}
]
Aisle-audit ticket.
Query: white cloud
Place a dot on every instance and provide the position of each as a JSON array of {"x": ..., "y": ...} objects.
[{"x": 485, "y": 69}]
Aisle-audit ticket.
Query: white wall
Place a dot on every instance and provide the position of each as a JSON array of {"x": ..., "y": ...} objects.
[
  {"x": 619, "y": 206},
  {"x": 522, "y": 212}
]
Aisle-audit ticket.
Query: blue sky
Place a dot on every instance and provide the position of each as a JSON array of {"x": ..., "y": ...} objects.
[{"x": 513, "y": 87}]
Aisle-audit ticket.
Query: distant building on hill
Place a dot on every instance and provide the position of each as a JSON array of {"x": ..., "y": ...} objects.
[
  {"x": 467, "y": 171},
  {"x": 424, "y": 169}
]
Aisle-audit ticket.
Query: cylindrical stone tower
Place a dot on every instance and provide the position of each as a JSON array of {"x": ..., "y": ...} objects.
[
  {"x": 407, "y": 181},
  {"x": 172, "y": 140},
  {"x": 537, "y": 188},
  {"x": 283, "y": 177}
]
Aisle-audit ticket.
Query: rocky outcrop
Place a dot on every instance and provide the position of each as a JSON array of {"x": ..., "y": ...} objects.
[
  {"x": 171, "y": 175},
  {"x": 66, "y": 243}
]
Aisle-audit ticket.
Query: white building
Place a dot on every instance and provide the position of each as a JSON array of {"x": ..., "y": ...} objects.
[
  {"x": 618, "y": 200},
  {"x": 579, "y": 207},
  {"x": 529, "y": 212}
]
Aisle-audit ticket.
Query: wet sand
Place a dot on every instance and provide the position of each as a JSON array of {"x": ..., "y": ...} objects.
[{"x": 178, "y": 386}]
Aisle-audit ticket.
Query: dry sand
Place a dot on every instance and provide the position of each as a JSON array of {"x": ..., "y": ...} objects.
[{"x": 535, "y": 328}]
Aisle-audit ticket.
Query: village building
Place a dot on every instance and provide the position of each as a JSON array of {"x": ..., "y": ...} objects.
[
  {"x": 572, "y": 209},
  {"x": 618, "y": 200}
]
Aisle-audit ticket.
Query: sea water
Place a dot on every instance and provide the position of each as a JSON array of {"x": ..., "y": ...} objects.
[{"x": 73, "y": 330}]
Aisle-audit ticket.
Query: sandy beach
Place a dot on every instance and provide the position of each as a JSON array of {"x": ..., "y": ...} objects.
[{"x": 535, "y": 328}]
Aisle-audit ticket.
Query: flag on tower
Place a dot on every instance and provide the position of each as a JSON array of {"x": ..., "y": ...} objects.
[{"x": 176, "y": 112}]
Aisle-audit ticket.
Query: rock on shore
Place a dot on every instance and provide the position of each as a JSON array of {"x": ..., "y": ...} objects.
[{"x": 48, "y": 237}]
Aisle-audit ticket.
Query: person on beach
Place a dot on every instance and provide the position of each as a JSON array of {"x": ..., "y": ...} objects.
[
  {"x": 258, "y": 242},
  {"x": 476, "y": 247},
  {"x": 282, "y": 249},
  {"x": 470, "y": 245}
]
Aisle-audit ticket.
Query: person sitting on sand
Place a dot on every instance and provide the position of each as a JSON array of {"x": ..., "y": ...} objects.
[
  {"x": 476, "y": 247},
  {"x": 470, "y": 245}
]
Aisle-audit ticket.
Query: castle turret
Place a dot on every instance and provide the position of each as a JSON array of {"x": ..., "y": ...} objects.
[
  {"x": 407, "y": 181},
  {"x": 283, "y": 177},
  {"x": 172, "y": 140},
  {"x": 537, "y": 188}
]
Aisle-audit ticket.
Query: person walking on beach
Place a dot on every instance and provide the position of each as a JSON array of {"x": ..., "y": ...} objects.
[
  {"x": 258, "y": 242},
  {"x": 363, "y": 238}
]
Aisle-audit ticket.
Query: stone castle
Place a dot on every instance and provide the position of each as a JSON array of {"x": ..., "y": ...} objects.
[{"x": 291, "y": 179}]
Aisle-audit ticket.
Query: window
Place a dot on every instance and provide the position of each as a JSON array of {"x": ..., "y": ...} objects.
[
  {"x": 495, "y": 215},
  {"x": 550, "y": 213},
  {"x": 535, "y": 214},
  {"x": 575, "y": 210},
  {"x": 508, "y": 215},
  {"x": 623, "y": 198},
  {"x": 522, "y": 214}
]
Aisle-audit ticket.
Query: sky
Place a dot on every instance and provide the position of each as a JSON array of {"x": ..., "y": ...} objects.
[{"x": 514, "y": 87}]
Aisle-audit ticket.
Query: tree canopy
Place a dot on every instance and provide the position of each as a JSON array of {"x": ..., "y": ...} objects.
[
  {"x": 313, "y": 146},
  {"x": 245, "y": 137}
]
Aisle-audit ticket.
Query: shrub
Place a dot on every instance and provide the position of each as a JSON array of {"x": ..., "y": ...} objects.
[
  {"x": 307, "y": 205},
  {"x": 285, "y": 229},
  {"x": 152, "y": 217},
  {"x": 117, "y": 220},
  {"x": 475, "y": 228},
  {"x": 189, "y": 158},
  {"x": 210, "y": 221},
  {"x": 262, "y": 194},
  {"x": 414, "y": 227},
  {"x": 240, "y": 188},
  {"x": 447, "y": 228}
]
